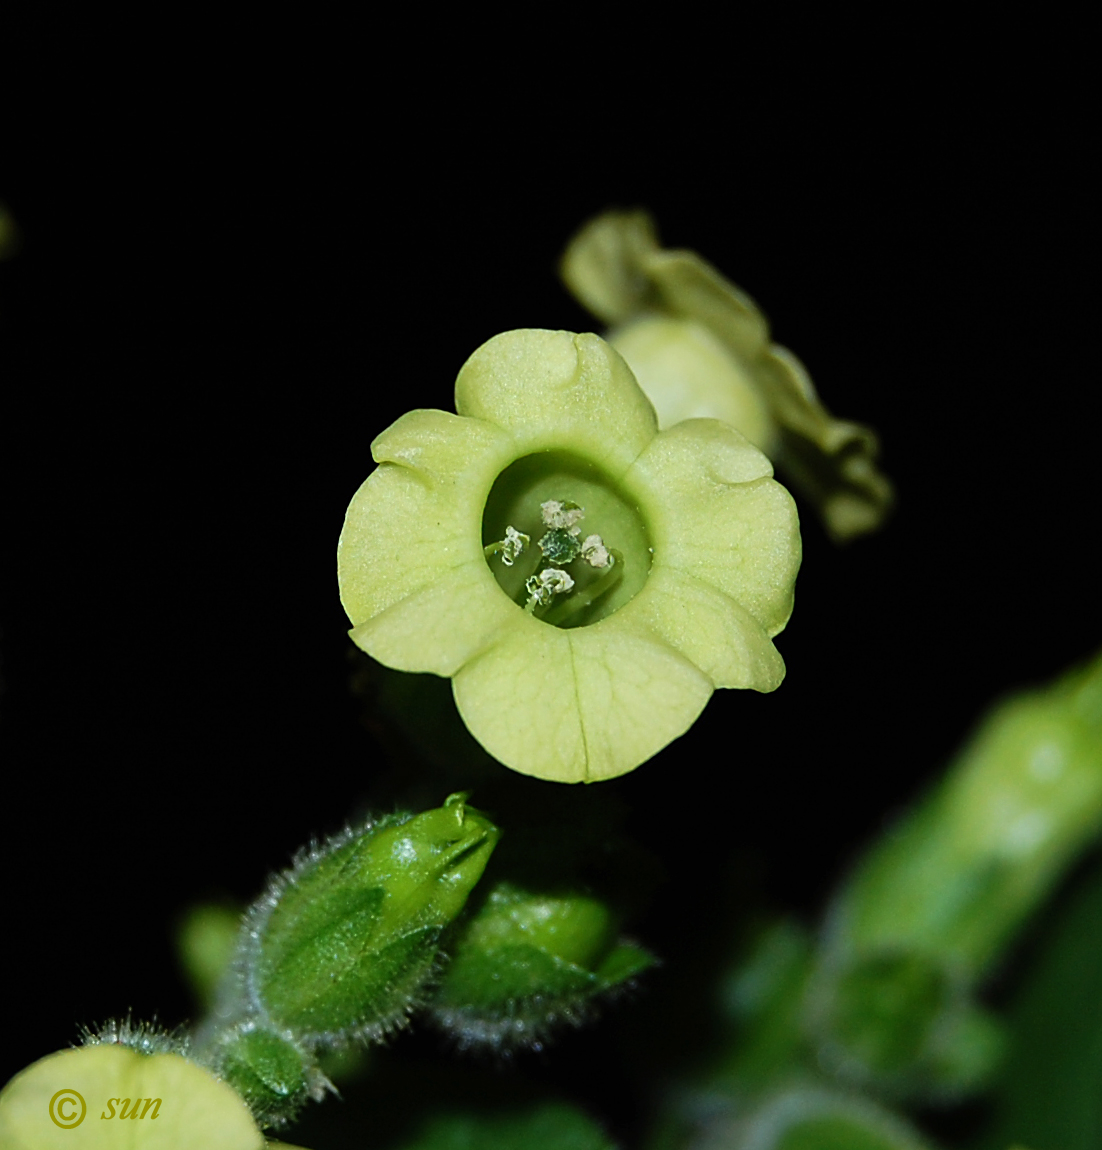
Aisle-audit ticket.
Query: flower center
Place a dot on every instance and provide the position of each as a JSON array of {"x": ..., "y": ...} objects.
[{"x": 563, "y": 541}]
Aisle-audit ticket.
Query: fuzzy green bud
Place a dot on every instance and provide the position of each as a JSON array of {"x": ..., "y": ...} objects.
[
  {"x": 528, "y": 962},
  {"x": 343, "y": 944},
  {"x": 340, "y": 947}
]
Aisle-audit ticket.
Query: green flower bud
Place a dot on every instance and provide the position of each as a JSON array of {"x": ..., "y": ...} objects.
[
  {"x": 527, "y": 962},
  {"x": 106, "y": 1095},
  {"x": 700, "y": 347},
  {"x": 682, "y": 576},
  {"x": 934, "y": 905},
  {"x": 975, "y": 859},
  {"x": 341, "y": 947},
  {"x": 342, "y": 944}
]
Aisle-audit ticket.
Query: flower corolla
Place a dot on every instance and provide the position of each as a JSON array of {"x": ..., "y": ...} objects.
[{"x": 671, "y": 569}]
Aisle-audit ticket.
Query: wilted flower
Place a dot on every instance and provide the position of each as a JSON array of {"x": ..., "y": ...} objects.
[
  {"x": 700, "y": 347},
  {"x": 662, "y": 566}
]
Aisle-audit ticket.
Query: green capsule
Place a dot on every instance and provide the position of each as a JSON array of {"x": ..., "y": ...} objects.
[
  {"x": 342, "y": 945},
  {"x": 528, "y": 962}
]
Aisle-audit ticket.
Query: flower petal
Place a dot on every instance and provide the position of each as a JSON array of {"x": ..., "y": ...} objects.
[
  {"x": 197, "y": 1112},
  {"x": 419, "y": 513},
  {"x": 442, "y": 625},
  {"x": 579, "y": 705},
  {"x": 710, "y": 629},
  {"x": 552, "y": 390},
  {"x": 715, "y": 514}
]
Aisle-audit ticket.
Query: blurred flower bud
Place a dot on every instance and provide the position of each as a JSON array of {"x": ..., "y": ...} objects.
[
  {"x": 933, "y": 906},
  {"x": 527, "y": 962},
  {"x": 700, "y": 348},
  {"x": 971, "y": 863}
]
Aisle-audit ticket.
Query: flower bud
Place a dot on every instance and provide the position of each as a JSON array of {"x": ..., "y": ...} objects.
[
  {"x": 700, "y": 348},
  {"x": 527, "y": 962},
  {"x": 343, "y": 943}
]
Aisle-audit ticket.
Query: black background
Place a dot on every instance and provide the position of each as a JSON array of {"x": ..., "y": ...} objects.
[{"x": 229, "y": 284}]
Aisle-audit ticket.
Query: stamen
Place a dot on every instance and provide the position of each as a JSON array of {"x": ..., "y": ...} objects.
[
  {"x": 514, "y": 544},
  {"x": 542, "y": 588},
  {"x": 562, "y": 514},
  {"x": 595, "y": 553}
]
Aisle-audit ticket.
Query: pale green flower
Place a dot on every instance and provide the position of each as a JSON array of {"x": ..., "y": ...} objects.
[
  {"x": 585, "y": 682},
  {"x": 101, "y": 1097},
  {"x": 700, "y": 347}
]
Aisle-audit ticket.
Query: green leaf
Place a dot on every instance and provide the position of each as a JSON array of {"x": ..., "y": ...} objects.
[{"x": 1050, "y": 1091}]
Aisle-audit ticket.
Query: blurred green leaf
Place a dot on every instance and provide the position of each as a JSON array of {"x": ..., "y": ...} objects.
[{"x": 1049, "y": 1095}]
